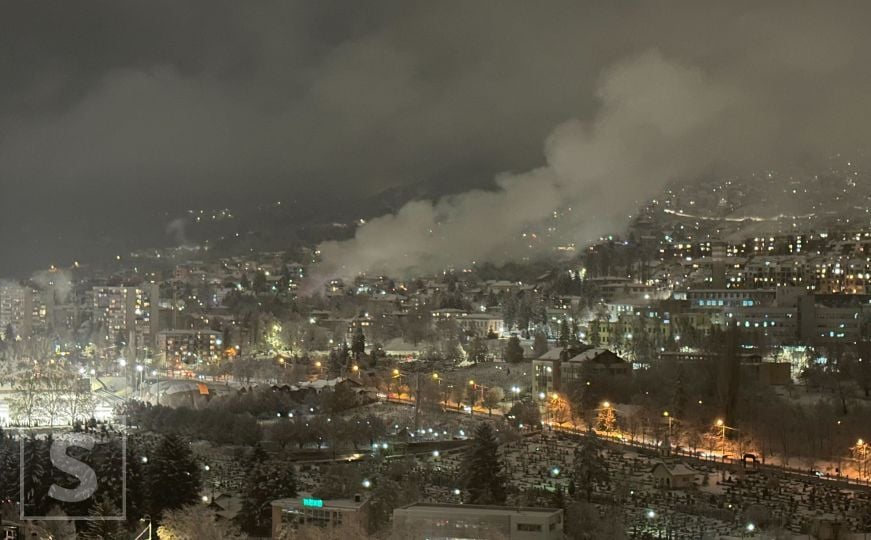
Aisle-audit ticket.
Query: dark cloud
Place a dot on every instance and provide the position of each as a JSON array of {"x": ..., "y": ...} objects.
[{"x": 110, "y": 110}]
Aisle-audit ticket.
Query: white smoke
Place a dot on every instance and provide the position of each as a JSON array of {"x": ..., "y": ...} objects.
[
  {"x": 57, "y": 282},
  {"x": 657, "y": 121},
  {"x": 176, "y": 228}
]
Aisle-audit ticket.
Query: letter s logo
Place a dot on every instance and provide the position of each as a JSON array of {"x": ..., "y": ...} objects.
[{"x": 84, "y": 473}]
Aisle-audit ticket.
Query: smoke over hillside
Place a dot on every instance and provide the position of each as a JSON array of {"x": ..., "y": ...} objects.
[{"x": 655, "y": 122}]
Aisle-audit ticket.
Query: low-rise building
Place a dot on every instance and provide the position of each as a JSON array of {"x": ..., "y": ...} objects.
[
  {"x": 482, "y": 324},
  {"x": 308, "y": 510},
  {"x": 423, "y": 521},
  {"x": 673, "y": 475},
  {"x": 556, "y": 372}
]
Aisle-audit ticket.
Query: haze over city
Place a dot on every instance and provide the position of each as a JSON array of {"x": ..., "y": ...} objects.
[{"x": 408, "y": 270}]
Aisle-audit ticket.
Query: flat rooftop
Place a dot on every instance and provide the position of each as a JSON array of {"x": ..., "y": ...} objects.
[
  {"x": 300, "y": 502},
  {"x": 479, "y": 508}
]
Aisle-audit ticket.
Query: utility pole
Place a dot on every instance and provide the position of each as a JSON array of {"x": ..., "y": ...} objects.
[{"x": 417, "y": 401}]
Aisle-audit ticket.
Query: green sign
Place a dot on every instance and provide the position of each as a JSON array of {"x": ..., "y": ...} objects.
[{"x": 313, "y": 503}]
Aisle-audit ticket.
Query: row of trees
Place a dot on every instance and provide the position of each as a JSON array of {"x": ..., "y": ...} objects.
[
  {"x": 159, "y": 476},
  {"x": 49, "y": 395}
]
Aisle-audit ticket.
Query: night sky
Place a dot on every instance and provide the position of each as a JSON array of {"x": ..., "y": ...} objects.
[{"x": 115, "y": 117}]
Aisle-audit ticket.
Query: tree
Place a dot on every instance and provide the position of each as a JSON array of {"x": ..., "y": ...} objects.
[
  {"x": 286, "y": 278},
  {"x": 193, "y": 522},
  {"x": 584, "y": 522},
  {"x": 539, "y": 345},
  {"x": 58, "y": 527},
  {"x": 558, "y": 409},
  {"x": 36, "y": 475},
  {"x": 606, "y": 419},
  {"x": 679, "y": 400},
  {"x": 477, "y": 350},
  {"x": 513, "y": 350},
  {"x": 386, "y": 496},
  {"x": 482, "y": 470},
  {"x": 861, "y": 372},
  {"x": 589, "y": 466},
  {"x": 265, "y": 482},
  {"x": 284, "y": 432},
  {"x": 173, "y": 476},
  {"x": 245, "y": 283},
  {"x": 492, "y": 398},
  {"x": 26, "y": 398},
  {"x": 103, "y": 529},
  {"x": 260, "y": 284},
  {"x": 565, "y": 335},
  {"x": 524, "y": 414},
  {"x": 358, "y": 344},
  {"x": 726, "y": 345},
  {"x": 340, "y": 399}
]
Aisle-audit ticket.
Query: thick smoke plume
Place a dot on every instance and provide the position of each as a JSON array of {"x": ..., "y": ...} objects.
[{"x": 656, "y": 122}]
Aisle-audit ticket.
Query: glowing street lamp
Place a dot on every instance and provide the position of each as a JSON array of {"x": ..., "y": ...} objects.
[
  {"x": 668, "y": 415},
  {"x": 723, "y": 427},
  {"x": 861, "y": 450}
]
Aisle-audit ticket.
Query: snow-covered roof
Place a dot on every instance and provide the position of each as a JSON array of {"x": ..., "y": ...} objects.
[{"x": 675, "y": 469}]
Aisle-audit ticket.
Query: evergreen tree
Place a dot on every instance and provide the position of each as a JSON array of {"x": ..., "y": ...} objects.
[
  {"x": 509, "y": 312},
  {"x": 386, "y": 496},
  {"x": 539, "y": 345},
  {"x": 482, "y": 470},
  {"x": 245, "y": 283},
  {"x": 36, "y": 476},
  {"x": 589, "y": 467},
  {"x": 358, "y": 344},
  {"x": 173, "y": 476},
  {"x": 256, "y": 457},
  {"x": 565, "y": 336},
  {"x": 679, "y": 400},
  {"x": 266, "y": 482},
  {"x": 513, "y": 350},
  {"x": 477, "y": 350},
  {"x": 259, "y": 284},
  {"x": 285, "y": 279},
  {"x": 103, "y": 529},
  {"x": 9, "y": 468},
  {"x": 107, "y": 463},
  {"x": 574, "y": 339},
  {"x": 135, "y": 490}
]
